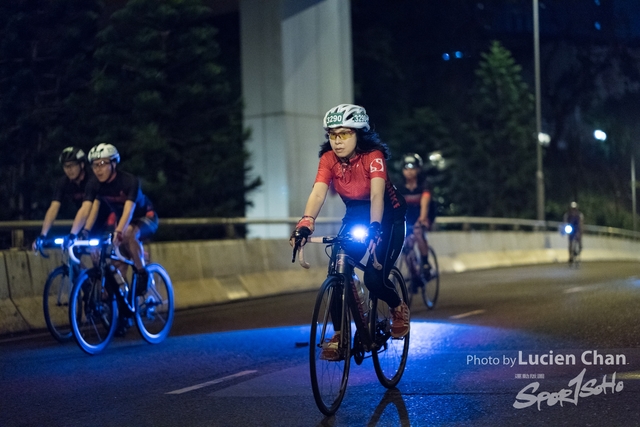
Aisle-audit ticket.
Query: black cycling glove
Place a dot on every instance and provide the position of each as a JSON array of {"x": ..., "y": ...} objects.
[{"x": 374, "y": 233}]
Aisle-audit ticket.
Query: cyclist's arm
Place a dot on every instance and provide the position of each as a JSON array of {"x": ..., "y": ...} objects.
[
  {"x": 377, "y": 199},
  {"x": 49, "y": 217},
  {"x": 81, "y": 217},
  {"x": 127, "y": 214},
  {"x": 93, "y": 215},
  {"x": 316, "y": 199},
  {"x": 424, "y": 208}
]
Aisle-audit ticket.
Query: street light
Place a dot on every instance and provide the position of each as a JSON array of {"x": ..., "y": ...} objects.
[
  {"x": 539, "y": 172},
  {"x": 602, "y": 136}
]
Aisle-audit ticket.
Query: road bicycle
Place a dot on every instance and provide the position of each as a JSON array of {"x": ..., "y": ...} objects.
[
  {"x": 57, "y": 288},
  {"x": 101, "y": 293},
  {"x": 344, "y": 304},
  {"x": 410, "y": 264}
]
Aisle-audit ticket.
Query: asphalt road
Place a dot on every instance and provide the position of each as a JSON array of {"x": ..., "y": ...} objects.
[{"x": 524, "y": 346}]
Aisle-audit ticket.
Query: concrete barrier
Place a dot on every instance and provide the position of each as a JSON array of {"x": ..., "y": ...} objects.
[
  {"x": 10, "y": 319},
  {"x": 212, "y": 272}
]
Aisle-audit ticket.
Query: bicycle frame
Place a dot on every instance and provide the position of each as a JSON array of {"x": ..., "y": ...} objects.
[{"x": 343, "y": 266}]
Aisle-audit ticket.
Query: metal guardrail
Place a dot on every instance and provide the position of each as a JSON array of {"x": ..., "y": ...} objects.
[{"x": 445, "y": 222}]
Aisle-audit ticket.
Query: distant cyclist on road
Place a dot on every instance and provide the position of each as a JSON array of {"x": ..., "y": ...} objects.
[
  {"x": 353, "y": 159},
  {"x": 420, "y": 214},
  {"x": 575, "y": 219}
]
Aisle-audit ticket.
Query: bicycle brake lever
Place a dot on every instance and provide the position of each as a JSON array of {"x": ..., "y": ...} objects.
[
  {"x": 42, "y": 252},
  {"x": 296, "y": 246}
]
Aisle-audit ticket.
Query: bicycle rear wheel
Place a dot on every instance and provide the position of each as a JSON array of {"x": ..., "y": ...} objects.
[
  {"x": 329, "y": 377},
  {"x": 390, "y": 359},
  {"x": 431, "y": 288},
  {"x": 154, "y": 312},
  {"x": 93, "y": 312},
  {"x": 55, "y": 304}
]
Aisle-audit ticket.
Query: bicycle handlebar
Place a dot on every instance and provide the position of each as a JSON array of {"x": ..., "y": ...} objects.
[
  {"x": 93, "y": 243},
  {"x": 326, "y": 240}
]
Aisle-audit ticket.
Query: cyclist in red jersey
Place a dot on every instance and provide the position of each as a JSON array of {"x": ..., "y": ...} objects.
[{"x": 353, "y": 159}]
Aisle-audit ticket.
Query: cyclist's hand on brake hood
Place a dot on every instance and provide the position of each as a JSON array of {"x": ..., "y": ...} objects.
[
  {"x": 303, "y": 229},
  {"x": 299, "y": 236}
]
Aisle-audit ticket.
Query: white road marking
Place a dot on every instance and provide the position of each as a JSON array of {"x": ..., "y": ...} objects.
[
  {"x": 575, "y": 289},
  {"x": 467, "y": 314},
  {"x": 208, "y": 383}
]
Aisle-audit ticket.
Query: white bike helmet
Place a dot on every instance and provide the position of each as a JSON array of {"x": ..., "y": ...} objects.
[
  {"x": 573, "y": 205},
  {"x": 102, "y": 151},
  {"x": 348, "y": 116}
]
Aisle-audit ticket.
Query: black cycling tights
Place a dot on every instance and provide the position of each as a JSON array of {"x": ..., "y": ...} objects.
[{"x": 387, "y": 252}]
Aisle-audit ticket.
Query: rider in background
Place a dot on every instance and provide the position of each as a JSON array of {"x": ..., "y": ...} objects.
[
  {"x": 69, "y": 187},
  {"x": 575, "y": 218},
  {"x": 417, "y": 193},
  {"x": 353, "y": 159}
]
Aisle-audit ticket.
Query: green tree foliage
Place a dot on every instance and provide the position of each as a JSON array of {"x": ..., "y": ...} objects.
[
  {"x": 162, "y": 98},
  {"x": 493, "y": 171},
  {"x": 45, "y": 57},
  {"x": 422, "y": 132}
]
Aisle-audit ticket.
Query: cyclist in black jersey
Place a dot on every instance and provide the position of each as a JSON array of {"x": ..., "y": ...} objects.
[
  {"x": 71, "y": 188},
  {"x": 417, "y": 193},
  {"x": 121, "y": 192}
]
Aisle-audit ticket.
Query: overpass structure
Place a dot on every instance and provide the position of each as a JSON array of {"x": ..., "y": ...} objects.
[
  {"x": 216, "y": 272},
  {"x": 296, "y": 60}
]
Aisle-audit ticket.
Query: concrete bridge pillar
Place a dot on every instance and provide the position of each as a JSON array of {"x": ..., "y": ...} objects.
[{"x": 296, "y": 64}]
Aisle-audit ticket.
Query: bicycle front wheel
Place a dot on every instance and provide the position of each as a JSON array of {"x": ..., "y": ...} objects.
[
  {"x": 154, "y": 311},
  {"x": 390, "y": 359},
  {"x": 55, "y": 304},
  {"x": 93, "y": 312},
  {"x": 431, "y": 288},
  {"x": 329, "y": 375}
]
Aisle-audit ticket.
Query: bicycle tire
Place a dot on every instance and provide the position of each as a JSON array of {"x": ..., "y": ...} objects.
[
  {"x": 55, "y": 304},
  {"x": 93, "y": 312},
  {"x": 329, "y": 378},
  {"x": 390, "y": 359},
  {"x": 155, "y": 308},
  {"x": 431, "y": 287}
]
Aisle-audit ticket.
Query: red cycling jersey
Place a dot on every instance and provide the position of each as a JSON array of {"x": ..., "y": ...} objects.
[{"x": 352, "y": 179}]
